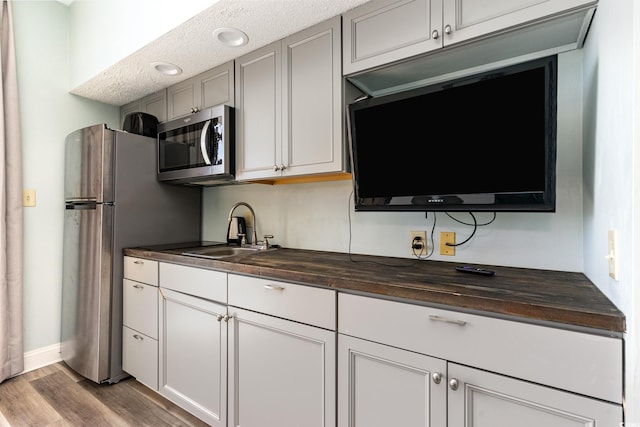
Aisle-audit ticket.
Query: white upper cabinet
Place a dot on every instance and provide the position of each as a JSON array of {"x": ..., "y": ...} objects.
[
  {"x": 289, "y": 106},
  {"x": 258, "y": 113},
  {"x": 384, "y": 31},
  {"x": 381, "y": 32},
  {"x": 211, "y": 88}
]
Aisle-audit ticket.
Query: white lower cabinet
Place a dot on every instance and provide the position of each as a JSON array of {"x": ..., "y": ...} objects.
[
  {"x": 482, "y": 398},
  {"x": 381, "y": 386},
  {"x": 282, "y": 373},
  {"x": 430, "y": 367},
  {"x": 193, "y": 341},
  {"x": 140, "y": 320}
]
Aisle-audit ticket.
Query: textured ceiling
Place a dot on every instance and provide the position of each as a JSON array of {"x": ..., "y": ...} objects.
[{"x": 192, "y": 47}]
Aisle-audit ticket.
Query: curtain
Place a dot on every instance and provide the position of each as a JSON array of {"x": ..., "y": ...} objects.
[{"x": 11, "y": 341}]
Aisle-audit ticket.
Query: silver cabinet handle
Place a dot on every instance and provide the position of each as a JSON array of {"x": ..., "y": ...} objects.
[
  {"x": 435, "y": 34},
  {"x": 273, "y": 288},
  {"x": 453, "y": 384},
  {"x": 138, "y": 262},
  {"x": 138, "y": 287},
  {"x": 437, "y": 377},
  {"x": 226, "y": 317},
  {"x": 222, "y": 317},
  {"x": 138, "y": 337},
  {"x": 447, "y": 29},
  {"x": 445, "y": 320},
  {"x": 219, "y": 318}
]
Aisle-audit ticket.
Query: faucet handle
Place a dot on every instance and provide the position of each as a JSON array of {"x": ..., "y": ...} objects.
[
  {"x": 266, "y": 240},
  {"x": 243, "y": 240}
]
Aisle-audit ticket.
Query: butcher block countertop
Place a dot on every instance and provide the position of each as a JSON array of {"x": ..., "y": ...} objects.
[{"x": 565, "y": 298}]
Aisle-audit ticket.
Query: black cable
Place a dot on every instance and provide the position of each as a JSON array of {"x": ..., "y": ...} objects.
[
  {"x": 475, "y": 227},
  {"x": 466, "y": 223}
]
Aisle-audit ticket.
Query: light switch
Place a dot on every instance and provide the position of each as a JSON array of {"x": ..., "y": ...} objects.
[
  {"x": 612, "y": 255},
  {"x": 29, "y": 197}
]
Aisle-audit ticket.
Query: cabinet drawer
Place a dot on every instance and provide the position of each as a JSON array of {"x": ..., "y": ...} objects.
[
  {"x": 301, "y": 303},
  {"x": 141, "y": 270},
  {"x": 207, "y": 284},
  {"x": 580, "y": 362},
  {"x": 140, "y": 307},
  {"x": 140, "y": 357}
]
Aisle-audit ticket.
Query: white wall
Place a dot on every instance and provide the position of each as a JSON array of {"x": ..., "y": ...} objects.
[
  {"x": 320, "y": 216},
  {"x": 610, "y": 184},
  {"x": 103, "y": 32},
  {"x": 48, "y": 114}
]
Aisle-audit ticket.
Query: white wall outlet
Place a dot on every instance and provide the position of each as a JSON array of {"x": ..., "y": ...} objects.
[
  {"x": 418, "y": 243},
  {"x": 612, "y": 254}
]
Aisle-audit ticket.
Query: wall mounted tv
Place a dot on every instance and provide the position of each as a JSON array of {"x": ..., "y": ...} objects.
[{"x": 485, "y": 142}]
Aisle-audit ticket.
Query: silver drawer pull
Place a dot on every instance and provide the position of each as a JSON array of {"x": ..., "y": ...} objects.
[
  {"x": 138, "y": 262},
  {"x": 138, "y": 337},
  {"x": 274, "y": 287},
  {"x": 138, "y": 286},
  {"x": 445, "y": 320}
]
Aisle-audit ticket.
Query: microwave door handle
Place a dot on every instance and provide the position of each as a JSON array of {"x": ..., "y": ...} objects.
[{"x": 203, "y": 142}]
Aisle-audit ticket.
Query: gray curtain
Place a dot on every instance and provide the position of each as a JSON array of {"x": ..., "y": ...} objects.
[{"x": 11, "y": 341}]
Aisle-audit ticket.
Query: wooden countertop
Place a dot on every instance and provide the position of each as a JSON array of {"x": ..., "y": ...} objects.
[{"x": 566, "y": 298}]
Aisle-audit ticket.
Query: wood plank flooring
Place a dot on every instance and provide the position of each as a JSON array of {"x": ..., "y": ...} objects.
[{"x": 56, "y": 396}]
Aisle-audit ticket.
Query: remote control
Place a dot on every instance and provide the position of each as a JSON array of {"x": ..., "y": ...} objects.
[{"x": 474, "y": 270}]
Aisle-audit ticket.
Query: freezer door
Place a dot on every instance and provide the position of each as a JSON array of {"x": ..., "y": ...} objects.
[
  {"x": 88, "y": 164},
  {"x": 86, "y": 288}
]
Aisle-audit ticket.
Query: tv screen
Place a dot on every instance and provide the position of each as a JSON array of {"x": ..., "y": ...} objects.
[{"x": 486, "y": 142}]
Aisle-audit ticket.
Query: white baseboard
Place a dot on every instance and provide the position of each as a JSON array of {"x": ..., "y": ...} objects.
[{"x": 40, "y": 357}]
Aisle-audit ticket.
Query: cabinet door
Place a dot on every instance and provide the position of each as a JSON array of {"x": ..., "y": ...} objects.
[
  {"x": 193, "y": 355},
  {"x": 469, "y": 19},
  {"x": 384, "y": 31},
  {"x": 311, "y": 102},
  {"x": 282, "y": 372},
  {"x": 258, "y": 113},
  {"x": 140, "y": 357},
  {"x": 211, "y": 88},
  {"x": 382, "y": 386},
  {"x": 481, "y": 398}
]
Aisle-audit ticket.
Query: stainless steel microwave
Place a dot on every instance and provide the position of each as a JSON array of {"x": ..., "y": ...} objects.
[{"x": 198, "y": 149}]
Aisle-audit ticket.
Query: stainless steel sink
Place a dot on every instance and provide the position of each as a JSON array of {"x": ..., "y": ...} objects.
[{"x": 216, "y": 252}]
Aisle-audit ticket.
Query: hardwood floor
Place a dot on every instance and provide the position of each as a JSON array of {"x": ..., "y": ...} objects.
[{"x": 56, "y": 396}]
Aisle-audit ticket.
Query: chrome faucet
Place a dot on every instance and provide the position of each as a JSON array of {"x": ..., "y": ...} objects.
[{"x": 254, "y": 240}]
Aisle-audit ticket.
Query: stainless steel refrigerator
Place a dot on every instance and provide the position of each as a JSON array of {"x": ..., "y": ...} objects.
[{"x": 112, "y": 201}]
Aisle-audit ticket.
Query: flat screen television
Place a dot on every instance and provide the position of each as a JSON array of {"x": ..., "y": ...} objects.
[{"x": 485, "y": 142}]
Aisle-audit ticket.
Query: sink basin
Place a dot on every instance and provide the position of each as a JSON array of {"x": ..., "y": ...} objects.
[{"x": 216, "y": 252}]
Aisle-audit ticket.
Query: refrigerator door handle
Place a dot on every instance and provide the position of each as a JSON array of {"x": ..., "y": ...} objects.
[{"x": 80, "y": 205}]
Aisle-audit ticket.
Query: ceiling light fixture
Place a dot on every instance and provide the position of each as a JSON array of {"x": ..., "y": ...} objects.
[
  {"x": 166, "y": 68},
  {"x": 231, "y": 37}
]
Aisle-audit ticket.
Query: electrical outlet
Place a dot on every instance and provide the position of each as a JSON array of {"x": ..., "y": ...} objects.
[
  {"x": 447, "y": 237},
  {"x": 28, "y": 197},
  {"x": 414, "y": 243}
]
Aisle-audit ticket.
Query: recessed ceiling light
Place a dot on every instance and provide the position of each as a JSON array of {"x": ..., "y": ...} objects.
[
  {"x": 231, "y": 37},
  {"x": 166, "y": 68}
]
